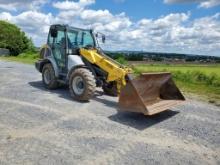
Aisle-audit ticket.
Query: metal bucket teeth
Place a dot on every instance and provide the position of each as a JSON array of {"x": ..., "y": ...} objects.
[{"x": 150, "y": 93}]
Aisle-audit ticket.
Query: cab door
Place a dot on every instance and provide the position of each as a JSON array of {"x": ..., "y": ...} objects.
[{"x": 58, "y": 45}]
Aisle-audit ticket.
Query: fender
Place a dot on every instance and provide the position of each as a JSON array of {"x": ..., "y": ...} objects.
[
  {"x": 40, "y": 64},
  {"x": 74, "y": 61},
  {"x": 54, "y": 64},
  {"x": 46, "y": 56}
]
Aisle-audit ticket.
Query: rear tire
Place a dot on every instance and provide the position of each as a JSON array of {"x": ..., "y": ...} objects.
[
  {"x": 110, "y": 89},
  {"x": 82, "y": 84},
  {"x": 48, "y": 77}
]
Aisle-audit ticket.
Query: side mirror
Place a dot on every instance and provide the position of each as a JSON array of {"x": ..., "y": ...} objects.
[
  {"x": 53, "y": 33},
  {"x": 103, "y": 39}
]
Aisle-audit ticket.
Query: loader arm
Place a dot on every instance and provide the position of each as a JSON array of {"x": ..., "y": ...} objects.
[{"x": 116, "y": 72}]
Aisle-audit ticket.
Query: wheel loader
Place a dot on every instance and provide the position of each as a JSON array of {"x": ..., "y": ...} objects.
[{"x": 72, "y": 56}]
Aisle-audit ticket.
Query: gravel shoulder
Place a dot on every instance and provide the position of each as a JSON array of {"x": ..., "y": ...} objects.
[{"x": 39, "y": 126}]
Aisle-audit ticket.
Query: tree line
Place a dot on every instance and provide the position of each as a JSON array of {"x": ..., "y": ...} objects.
[{"x": 155, "y": 56}]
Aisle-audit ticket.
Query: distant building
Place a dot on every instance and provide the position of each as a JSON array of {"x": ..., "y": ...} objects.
[{"x": 4, "y": 51}]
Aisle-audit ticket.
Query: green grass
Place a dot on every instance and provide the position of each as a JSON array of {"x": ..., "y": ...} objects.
[
  {"x": 205, "y": 68},
  {"x": 27, "y": 57},
  {"x": 203, "y": 80}
]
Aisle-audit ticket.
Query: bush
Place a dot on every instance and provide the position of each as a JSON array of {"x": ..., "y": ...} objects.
[
  {"x": 12, "y": 38},
  {"x": 122, "y": 60},
  {"x": 29, "y": 55}
]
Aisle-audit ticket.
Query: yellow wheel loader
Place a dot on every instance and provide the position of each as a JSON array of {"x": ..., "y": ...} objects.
[{"x": 72, "y": 56}]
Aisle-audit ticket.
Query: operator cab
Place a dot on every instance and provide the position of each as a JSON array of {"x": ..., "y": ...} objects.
[{"x": 65, "y": 40}]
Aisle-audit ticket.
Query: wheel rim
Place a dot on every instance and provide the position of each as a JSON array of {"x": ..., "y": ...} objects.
[
  {"x": 47, "y": 76},
  {"x": 78, "y": 85}
]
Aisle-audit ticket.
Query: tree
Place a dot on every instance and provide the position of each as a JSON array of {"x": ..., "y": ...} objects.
[{"x": 12, "y": 38}]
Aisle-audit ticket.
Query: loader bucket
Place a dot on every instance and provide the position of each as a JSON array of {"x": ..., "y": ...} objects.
[{"x": 150, "y": 93}]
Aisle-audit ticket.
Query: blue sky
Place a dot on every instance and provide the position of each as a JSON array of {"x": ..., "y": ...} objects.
[
  {"x": 138, "y": 9},
  {"x": 180, "y": 26},
  {"x": 146, "y": 8}
]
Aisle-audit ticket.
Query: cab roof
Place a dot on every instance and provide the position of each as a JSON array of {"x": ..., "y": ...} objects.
[{"x": 67, "y": 27}]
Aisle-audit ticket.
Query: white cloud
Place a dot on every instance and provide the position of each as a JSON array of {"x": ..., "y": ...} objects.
[
  {"x": 202, "y": 3},
  {"x": 210, "y": 3},
  {"x": 175, "y": 32},
  {"x": 105, "y": 19},
  {"x": 5, "y": 16},
  {"x": 14, "y": 5},
  {"x": 96, "y": 16},
  {"x": 71, "y": 5}
]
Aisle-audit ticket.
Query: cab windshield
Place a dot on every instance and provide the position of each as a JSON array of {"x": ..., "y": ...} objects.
[{"x": 80, "y": 38}]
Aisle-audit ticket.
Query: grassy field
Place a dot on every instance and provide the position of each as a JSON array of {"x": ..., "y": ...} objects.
[
  {"x": 28, "y": 57},
  {"x": 198, "y": 78}
]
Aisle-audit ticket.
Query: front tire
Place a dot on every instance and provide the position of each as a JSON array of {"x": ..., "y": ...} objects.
[
  {"x": 82, "y": 84},
  {"x": 48, "y": 77}
]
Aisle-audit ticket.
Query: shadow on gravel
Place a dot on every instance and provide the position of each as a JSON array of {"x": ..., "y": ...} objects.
[
  {"x": 63, "y": 91},
  {"x": 109, "y": 103},
  {"x": 140, "y": 121}
]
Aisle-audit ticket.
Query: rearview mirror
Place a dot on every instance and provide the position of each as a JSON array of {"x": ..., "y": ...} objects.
[
  {"x": 53, "y": 33},
  {"x": 103, "y": 38}
]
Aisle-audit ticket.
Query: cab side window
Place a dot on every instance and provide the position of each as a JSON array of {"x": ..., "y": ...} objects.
[
  {"x": 50, "y": 39},
  {"x": 60, "y": 39},
  {"x": 71, "y": 39}
]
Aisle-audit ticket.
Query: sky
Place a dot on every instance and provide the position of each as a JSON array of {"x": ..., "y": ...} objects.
[{"x": 175, "y": 26}]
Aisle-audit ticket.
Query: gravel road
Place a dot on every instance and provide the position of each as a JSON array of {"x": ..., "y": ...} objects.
[{"x": 38, "y": 126}]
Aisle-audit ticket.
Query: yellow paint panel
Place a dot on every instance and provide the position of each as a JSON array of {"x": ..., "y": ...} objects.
[{"x": 115, "y": 72}]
